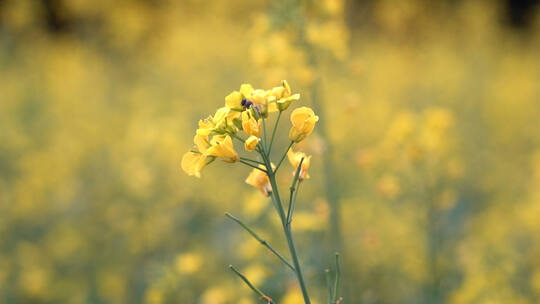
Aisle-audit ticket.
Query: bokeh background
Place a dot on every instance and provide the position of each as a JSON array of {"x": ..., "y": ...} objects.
[{"x": 425, "y": 168}]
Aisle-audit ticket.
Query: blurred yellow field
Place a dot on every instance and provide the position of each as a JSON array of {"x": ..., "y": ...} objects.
[{"x": 424, "y": 168}]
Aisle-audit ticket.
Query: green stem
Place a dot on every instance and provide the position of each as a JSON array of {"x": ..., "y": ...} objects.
[
  {"x": 293, "y": 189},
  {"x": 337, "y": 281},
  {"x": 329, "y": 285},
  {"x": 251, "y": 165},
  {"x": 252, "y": 160},
  {"x": 274, "y": 133},
  {"x": 294, "y": 199},
  {"x": 286, "y": 228},
  {"x": 261, "y": 240},
  {"x": 264, "y": 139},
  {"x": 237, "y": 137},
  {"x": 284, "y": 154},
  {"x": 250, "y": 285}
]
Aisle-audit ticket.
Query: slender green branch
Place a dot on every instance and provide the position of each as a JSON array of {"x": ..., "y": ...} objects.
[
  {"x": 252, "y": 160},
  {"x": 274, "y": 133},
  {"x": 293, "y": 190},
  {"x": 264, "y": 137},
  {"x": 294, "y": 200},
  {"x": 252, "y": 166},
  {"x": 276, "y": 199},
  {"x": 284, "y": 154},
  {"x": 250, "y": 285},
  {"x": 329, "y": 285},
  {"x": 337, "y": 281},
  {"x": 261, "y": 240},
  {"x": 237, "y": 137}
]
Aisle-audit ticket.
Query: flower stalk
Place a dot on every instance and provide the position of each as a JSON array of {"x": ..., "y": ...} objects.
[
  {"x": 287, "y": 228},
  {"x": 247, "y": 110},
  {"x": 250, "y": 285},
  {"x": 260, "y": 240}
]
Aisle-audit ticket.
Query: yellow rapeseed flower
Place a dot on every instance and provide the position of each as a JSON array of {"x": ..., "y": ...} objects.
[
  {"x": 234, "y": 100},
  {"x": 193, "y": 163},
  {"x": 250, "y": 125},
  {"x": 251, "y": 143},
  {"x": 222, "y": 146},
  {"x": 295, "y": 158},
  {"x": 303, "y": 121},
  {"x": 281, "y": 96},
  {"x": 205, "y": 126},
  {"x": 220, "y": 118},
  {"x": 260, "y": 180},
  {"x": 285, "y": 102},
  {"x": 246, "y": 89}
]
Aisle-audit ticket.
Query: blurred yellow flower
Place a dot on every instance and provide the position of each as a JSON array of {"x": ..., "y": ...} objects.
[
  {"x": 388, "y": 186},
  {"x": 303, "y": 121},
  {"x": 153, "y": 296},
  {"x": 215, "y": 295},
  {"x": 294, "y": 296},
  {"x": 188, "y": 263},
  {"x": 251, "y": 143},
  {"x": 295, "y": 158},
  {"x": 259, "y": 180}
]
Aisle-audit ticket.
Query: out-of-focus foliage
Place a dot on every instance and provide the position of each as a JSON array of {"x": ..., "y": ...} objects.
[{"x": 431, "y": 111}]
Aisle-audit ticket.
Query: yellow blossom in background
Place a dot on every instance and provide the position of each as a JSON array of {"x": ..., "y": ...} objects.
[
  {"x": 256, "y": 273},
  {"x": 430, "y": 131},
  {"x": 295, "y": 158},
  {"x": 215, "y": 295},
  {"x": 294, "y": 296},
  {"x": 251, "y": 143},
  {"x": 388, "y": 186},
  {"x": 153, "y": 296},
  {"x": 303, "y": 121},
  {"x": 188, "y": 263}
]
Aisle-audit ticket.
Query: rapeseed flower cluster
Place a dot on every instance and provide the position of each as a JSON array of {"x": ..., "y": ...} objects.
[{"x": 242, "y": 116}]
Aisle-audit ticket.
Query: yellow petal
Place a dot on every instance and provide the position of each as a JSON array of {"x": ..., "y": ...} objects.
[
  {"x": 251, "y": 143},
  {"x": 192, "y": 163},
  {"x": 246, "y": 89},
  {"x": 234, "y": 100}
]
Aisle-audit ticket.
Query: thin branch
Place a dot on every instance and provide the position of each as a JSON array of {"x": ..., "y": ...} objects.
[
  {"x": 265, "y": 139},
  {"x": 284, "y": 154},
  {"x": 329, "y": 285},
  {"x": 237, "y": 137},
  {"x": 293, "y": 189},
  {"x": 261, "y": 240},
  {"x": 252, "y": 166},
  {"x": 248, "y": 283},
  {"x": 252, "y": 160},
  {"x": 274, "y": 133},
  {"x": 336, "y": 283}
]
